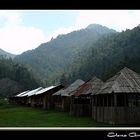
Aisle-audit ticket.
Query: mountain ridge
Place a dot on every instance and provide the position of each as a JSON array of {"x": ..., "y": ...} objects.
[
  {"x": 50, "y": 59},
  {"x": 78, "y": 55},
  {"x": 109, "y": 55},
  {"x": 6, "y": 54}
]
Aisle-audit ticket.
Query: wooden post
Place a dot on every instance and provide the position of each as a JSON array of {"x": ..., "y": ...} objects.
[
  {"x": 95, "y": 115},
  {"x": 96, "y": 101},
  {"x": 114, "y": 119},
  {"x": 125, "y": 100},
  {"x": 111, "y": 100},
  {"x": 93, "y": 100},
  {"x": 71, "y": 105},
  {"x": 44, "y": 102},
  {"x": 115, "y": 100},
  {"x": 103, "y": 101},
  {"x": 103, "y": 108},
  {"x": 107, "y": 100},
  {"x": 136, "y": 96},
  {"x": 99, "y": 100}
]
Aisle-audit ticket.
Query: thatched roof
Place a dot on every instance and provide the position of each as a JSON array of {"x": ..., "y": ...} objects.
[
  {"x": 91, "y": 86},
  {"x": 69, "y": 90},
  {"x": 125, "y": 81}
]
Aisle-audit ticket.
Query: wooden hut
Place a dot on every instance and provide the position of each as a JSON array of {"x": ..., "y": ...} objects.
[
  {"x": 57, "y": 98},
  {"x": 118, "y": 100},
  {"x": 81, "y": 99},
  {"x": 64, "y": 96},
  {"x": 24, "y": 98},
  {"x": 43, "y": 98},
  {"x": 37, "y": 98},
  {"x": 18, "y": 99}
]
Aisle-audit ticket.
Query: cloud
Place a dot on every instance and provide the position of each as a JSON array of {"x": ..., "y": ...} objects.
[
  {"x": 115, "y": 19},
  {"x": 61, "y": 31},
  {"x": 16, "y": 38},
  {"x": 19, "y": 38},
  {"x": 10, "y": 18}
]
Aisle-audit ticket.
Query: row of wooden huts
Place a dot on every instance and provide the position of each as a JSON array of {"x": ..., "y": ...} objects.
[{"x": 116, "y": 101}]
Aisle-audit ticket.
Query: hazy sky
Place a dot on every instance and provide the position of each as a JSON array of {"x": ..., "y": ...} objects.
[{"x": 22, "y": 30}]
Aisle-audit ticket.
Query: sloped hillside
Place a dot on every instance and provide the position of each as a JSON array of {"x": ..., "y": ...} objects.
[
  {"x": 51, "y": 59},
  {"x": 108, "y": 55},
  {"x": 15, "y": 78}
]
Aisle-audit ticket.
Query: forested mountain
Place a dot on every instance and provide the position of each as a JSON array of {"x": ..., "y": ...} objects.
[
  {"x": 93, "y": 51},
  {"x": 52, "y": 59},
  {"x": 15, "y": 78},
  {"x": 107, "y": 56},
  {"x": 6, "y": 54}
]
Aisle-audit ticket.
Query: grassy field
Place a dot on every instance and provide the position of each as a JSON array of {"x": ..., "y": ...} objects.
[{"x": 18, "y": 116}]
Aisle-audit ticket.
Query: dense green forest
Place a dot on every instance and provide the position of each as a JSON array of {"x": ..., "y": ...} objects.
[
  {"x": 52, "y": 59},
  {"x": 15, "y": 78},
  {"x": 107, "y": 56},
  {"x": 95, "y": 50},
  {"x": 82, "y": 54}
]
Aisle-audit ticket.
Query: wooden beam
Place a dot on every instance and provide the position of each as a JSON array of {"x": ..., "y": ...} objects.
[
  {"x": 107, "y": 100},
  {"x": 115, "y": 100},
  {"x": 125, "y": 100},
  {"x": 137, "y": 104},
  {"x": 103, "y": 101}
]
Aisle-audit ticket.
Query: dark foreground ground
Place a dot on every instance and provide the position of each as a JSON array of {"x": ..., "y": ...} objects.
[{"x": 19, "y": 116}]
